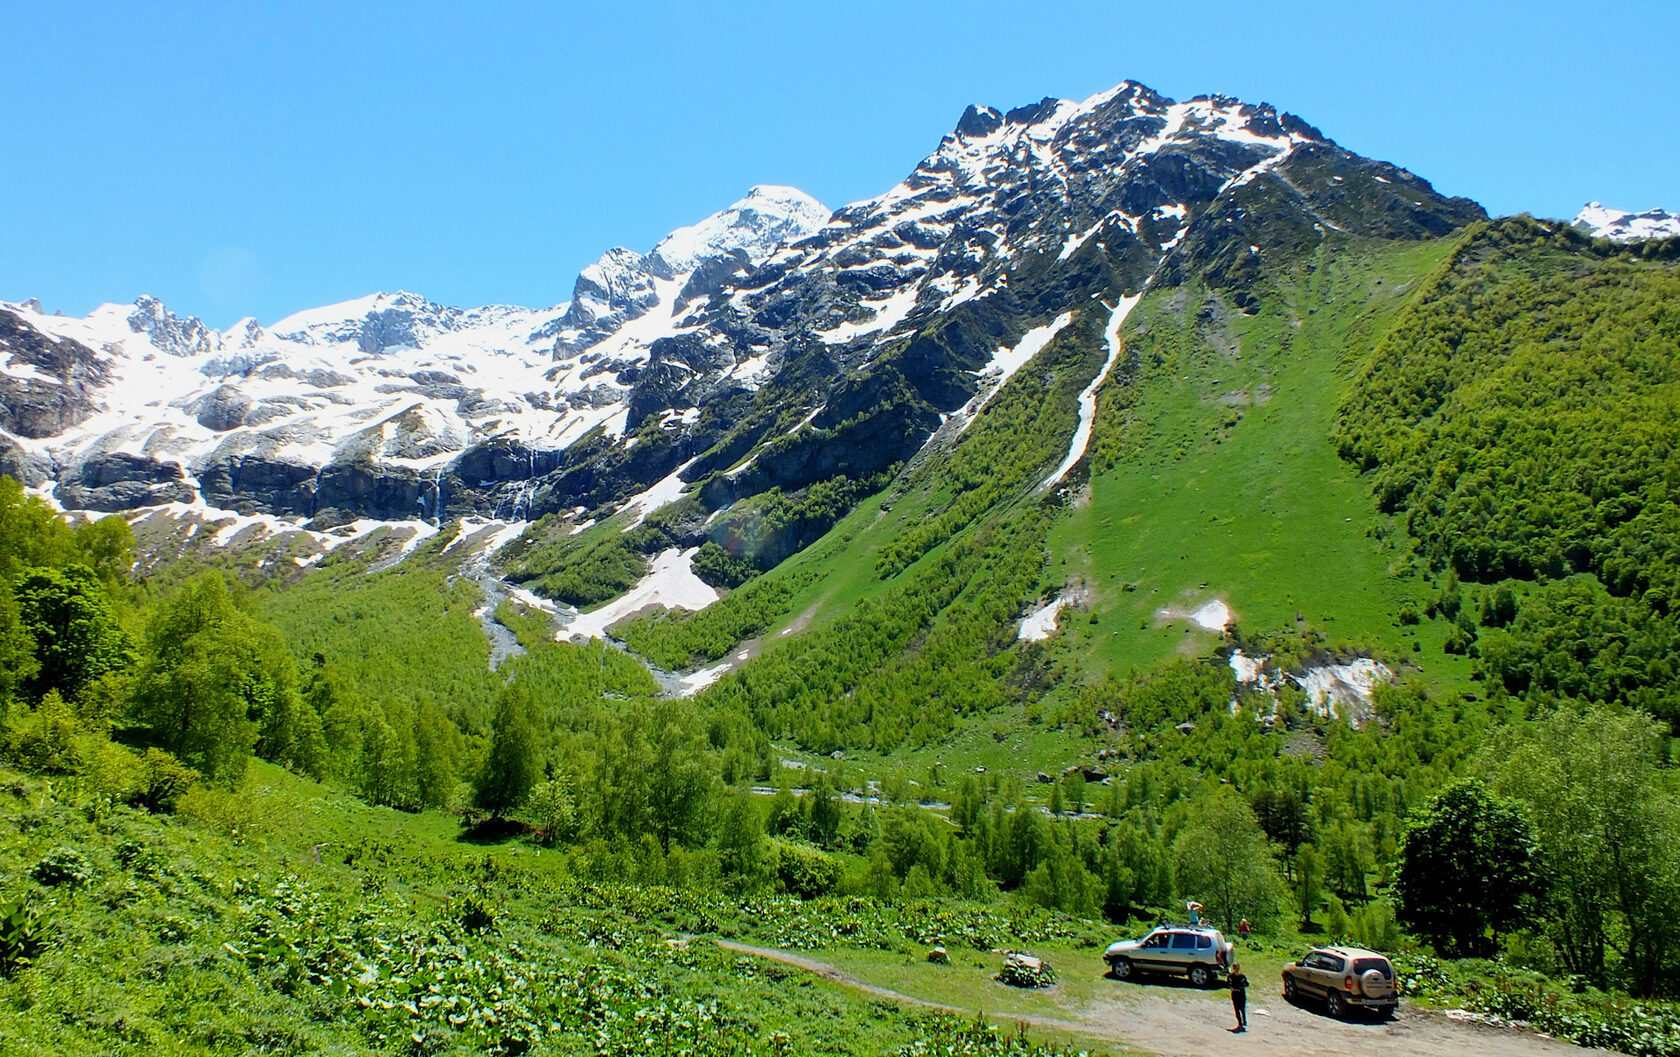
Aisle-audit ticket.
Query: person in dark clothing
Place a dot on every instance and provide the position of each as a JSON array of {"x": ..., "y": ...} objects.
[{"x": 1239, "y": 996}]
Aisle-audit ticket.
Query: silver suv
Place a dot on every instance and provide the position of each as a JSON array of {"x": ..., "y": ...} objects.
[
  {"x": 1346, "y": 978},
  {"x": 1198, "y": 952}
]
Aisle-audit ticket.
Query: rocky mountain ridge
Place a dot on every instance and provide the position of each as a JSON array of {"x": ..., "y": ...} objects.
[
  {"x": 134, "y": 406},
  {"x": 797, "y": 346}
]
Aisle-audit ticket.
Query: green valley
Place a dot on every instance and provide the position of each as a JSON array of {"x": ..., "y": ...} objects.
[{"x": 1359, "y": 600}]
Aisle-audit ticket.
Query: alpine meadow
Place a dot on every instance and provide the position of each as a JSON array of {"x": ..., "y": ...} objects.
[{"x": 1145, "y": 502}]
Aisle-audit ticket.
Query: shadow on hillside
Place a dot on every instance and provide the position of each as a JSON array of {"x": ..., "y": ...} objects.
[{"x": 487, "y": 831}]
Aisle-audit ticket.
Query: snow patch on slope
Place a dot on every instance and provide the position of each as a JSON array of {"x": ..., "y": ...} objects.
[
  {"x": 1006, "y": 361},
  {"x": 1333, "y": 690},
  {"x": 1041, "y": 623},
  {"x": 1214, "y": 616},
  {"x": 669, "y": 584},
  {"x": 666, "y": 491},
  {"x": 1088, "y": 398},
  {"x": 1337, "y": 688}
]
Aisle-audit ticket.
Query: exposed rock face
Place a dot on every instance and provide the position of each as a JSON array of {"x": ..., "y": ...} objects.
[
  {"x": 222, "y": 409},
  {"x": 608, "y": 294},
  {"x": 121, "y": 481},
  {"x": 46, "y": 385},
  {"x": 252, "y": 483},
  {"x": 169, "y": 332},
  {"x": 770, "y": 345}
]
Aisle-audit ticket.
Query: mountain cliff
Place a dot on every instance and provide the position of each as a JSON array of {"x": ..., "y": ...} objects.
[{"x": 770, "y": 346}]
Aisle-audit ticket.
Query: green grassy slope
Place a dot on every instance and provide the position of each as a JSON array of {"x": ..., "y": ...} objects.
[
  {"x": 1216, "y": 476},
  {"x": 287, "y": 918}
]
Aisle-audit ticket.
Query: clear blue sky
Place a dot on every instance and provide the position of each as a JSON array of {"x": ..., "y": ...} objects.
[{"x": 246, "y": 159}]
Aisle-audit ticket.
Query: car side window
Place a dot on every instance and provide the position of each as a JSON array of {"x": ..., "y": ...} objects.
[
  {"x": 1155, "y": 939},
  {"x": 1332, "y": 964},
  {"x": 1204, "y": 943},
  {"x": 1183, "y": 941}
]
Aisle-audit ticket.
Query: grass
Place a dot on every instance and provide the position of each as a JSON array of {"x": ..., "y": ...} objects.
[
  {"x": 1224, "y": 483},
  {"x": 288, "y": 917}
]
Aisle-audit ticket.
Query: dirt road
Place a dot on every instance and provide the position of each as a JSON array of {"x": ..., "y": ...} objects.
[{"x": 1197, "y": 1024}]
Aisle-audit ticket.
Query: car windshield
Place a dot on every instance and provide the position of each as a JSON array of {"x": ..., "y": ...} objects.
[{"x": 1363, "y": 965}]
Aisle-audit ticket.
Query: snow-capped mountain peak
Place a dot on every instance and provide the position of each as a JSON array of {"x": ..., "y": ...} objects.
[
  {"x": 769, "y": 345},
  {"x": 1621, "y": 226},
  {"x": 162, "y": 408},
  {"x": 768, "y": 218},
  {"x": 689, "y": 262},
  {"x": 373, "y": 324}
]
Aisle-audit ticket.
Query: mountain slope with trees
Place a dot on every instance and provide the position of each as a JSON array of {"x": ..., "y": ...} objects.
[{"x": 1364, "y": 425}]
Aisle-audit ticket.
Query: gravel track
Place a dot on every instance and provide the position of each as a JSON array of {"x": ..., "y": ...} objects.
[{"x": 1198, "y": 1024}]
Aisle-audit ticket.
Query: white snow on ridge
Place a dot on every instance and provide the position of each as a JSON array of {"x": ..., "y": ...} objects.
[
  {"x": 889, "y": 313},
  {"x": 393, "y": 377},
  {"x": 1622, "y": 226},
  {"x": 1088, "y": 398},
  {"x": 670, "y": 583},
  {"x": 769, "y": 217}
]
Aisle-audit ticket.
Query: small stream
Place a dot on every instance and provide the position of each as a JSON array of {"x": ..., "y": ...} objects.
[{"x": 503, "y": 642}]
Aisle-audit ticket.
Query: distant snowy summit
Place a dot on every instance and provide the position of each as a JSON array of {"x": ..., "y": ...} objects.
[
  {"x": 133, "y": 405},
  {"x": 1621, "y": 226}
]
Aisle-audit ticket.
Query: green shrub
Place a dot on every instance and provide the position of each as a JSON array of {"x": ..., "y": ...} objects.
[
  {"x": 804, "y": 871},
  {"x": 1648, "y": 1029},
  {"x": 161, "y": 781},
  {"x": 44, "y": 740},
  {"x": 21, "y": 937},
  {"x": 62, "y": 866},
  {"x": 475, "y": 915}
]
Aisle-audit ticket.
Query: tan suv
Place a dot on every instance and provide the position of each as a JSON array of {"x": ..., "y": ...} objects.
[
  {"x": 1198, "y": 952},
  {"x": 1345, "y": 978}
]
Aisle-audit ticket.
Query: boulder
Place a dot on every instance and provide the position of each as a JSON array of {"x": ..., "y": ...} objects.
[{"x": 1024, "y": 970}]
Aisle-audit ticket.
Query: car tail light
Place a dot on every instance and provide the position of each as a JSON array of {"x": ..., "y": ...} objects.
[{"x": 1347, "y": 982}]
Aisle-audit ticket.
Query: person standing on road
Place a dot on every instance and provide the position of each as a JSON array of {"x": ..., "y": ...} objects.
[{"x": 1239, "y": 996}]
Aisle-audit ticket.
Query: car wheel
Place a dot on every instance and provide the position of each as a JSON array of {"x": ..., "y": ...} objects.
[
  {"x": 1122, "y": 968},
  {"x": 1289, "y": 992},
  {"x": 1334, "y": 1005},
  {"x": 1199, "y": 976}
]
